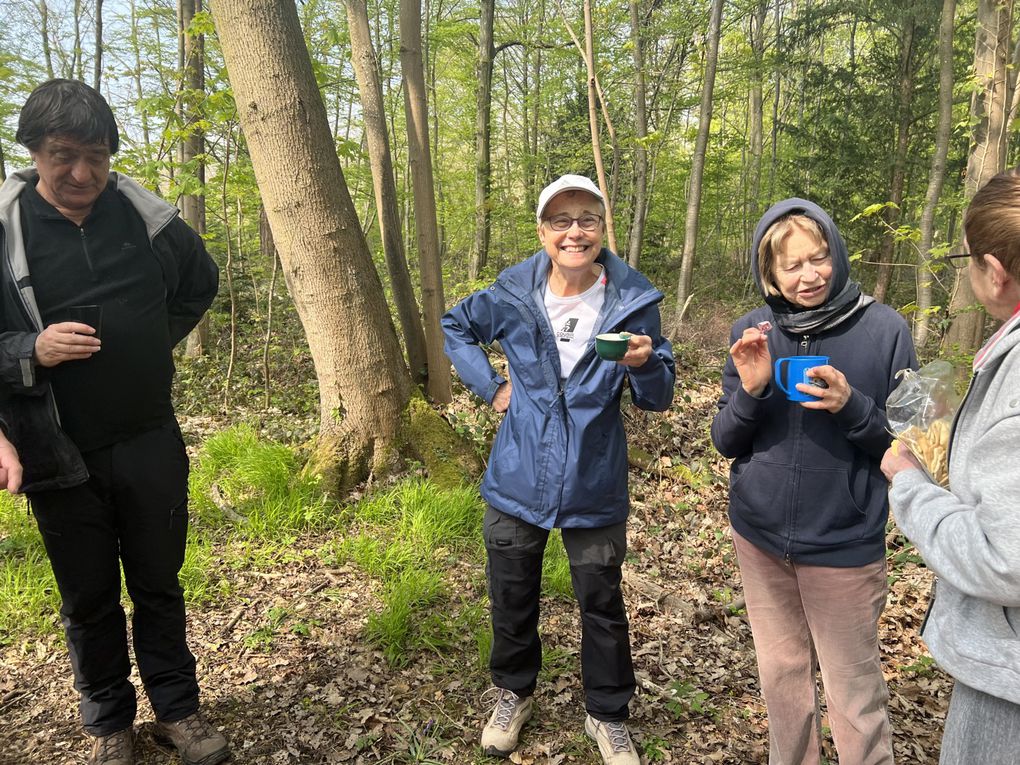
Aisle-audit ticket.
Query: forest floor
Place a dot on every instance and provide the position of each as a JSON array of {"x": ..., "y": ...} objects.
[{"x": 316, "y": 690}]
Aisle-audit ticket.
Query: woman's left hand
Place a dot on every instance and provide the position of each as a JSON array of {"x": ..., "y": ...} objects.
[
  {"x": 639, "y": 350},
  {"x": 833, "y": 396},
  {"x": 898, "y": 458}
]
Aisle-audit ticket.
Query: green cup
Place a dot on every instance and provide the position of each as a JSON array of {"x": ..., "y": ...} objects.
[{"x": 612, "y": 346}]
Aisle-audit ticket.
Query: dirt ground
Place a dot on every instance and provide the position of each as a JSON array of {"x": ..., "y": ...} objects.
[{"x": 324, "y": 695}]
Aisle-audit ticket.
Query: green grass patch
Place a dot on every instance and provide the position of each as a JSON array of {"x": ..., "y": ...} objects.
[
  {"x": 406, "y": 537},
  {"x": 29, "y": 600},
  {"x": 556, "y": 580},
  {"x": 241, "y": 478}
]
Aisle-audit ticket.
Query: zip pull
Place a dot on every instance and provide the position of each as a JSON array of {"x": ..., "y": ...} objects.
[{"x": 804, "y": 342}]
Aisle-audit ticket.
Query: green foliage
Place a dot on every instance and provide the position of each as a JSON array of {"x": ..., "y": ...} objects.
[{"x": 688, "y": 700}]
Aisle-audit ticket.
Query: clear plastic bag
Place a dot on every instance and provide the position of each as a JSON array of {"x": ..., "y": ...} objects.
[{"x": 920, "y": 413}]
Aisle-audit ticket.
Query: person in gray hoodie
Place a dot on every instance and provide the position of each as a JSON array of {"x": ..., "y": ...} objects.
[
  {"x": 969, "y": 534},
  {"x": 808, "y": 501}
]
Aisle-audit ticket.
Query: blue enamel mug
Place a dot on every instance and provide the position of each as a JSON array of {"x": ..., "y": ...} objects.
[{"x": 796, "y": 368}]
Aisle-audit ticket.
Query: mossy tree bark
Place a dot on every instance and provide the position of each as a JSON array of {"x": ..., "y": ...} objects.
[{"x": 364, "y": 385}]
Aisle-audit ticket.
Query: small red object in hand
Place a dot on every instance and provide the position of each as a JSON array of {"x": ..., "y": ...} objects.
[{"x": 764, "y": 327}]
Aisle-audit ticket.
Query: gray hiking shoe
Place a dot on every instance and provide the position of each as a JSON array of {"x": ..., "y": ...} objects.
[
  {"x": 198, "y": 742},
  {"x": 115, "y": 749},
  {"x": 613, "y": 740},
  {"x": 499, "y": 736}
]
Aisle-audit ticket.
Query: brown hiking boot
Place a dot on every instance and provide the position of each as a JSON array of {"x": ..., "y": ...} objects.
[
  {"x": 115, "y": 749},
  {"x": 198, "y": 742}
]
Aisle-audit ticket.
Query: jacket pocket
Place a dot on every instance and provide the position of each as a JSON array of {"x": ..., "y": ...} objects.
[
  {"x": 760, "y": 494},
  {"x": 826, "y": 510}
]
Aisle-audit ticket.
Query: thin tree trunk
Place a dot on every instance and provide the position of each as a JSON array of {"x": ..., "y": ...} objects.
[
  {"x": 757, "y": 101},
  {"x": 593, "y": 122},
  {"x": 366, "y": 69},
  {"x": 268, "y": 249},
  {"x": 364, "y": 387},
  {"x": 137, "y": 76},
  {"x": 922, "y": 316},
  {"x": 228, "y": 269},
  {"x": 684, "y": 292},
  {"x": 416, "y": 111},
  {"x": 483, "y": 134},
  {"x": 987, "y": 111},
  {"x": 887, "y": 256},
  {"x": 191, "y": 52},
  {"x": 77, "y": 67},
  {"x": 97, "y": 69},
  {"x": 44, "y": 33},
  {"x": 637, "y": 226}
]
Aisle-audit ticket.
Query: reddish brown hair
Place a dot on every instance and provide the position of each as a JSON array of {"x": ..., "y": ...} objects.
[{"x": 992, "y": 222}]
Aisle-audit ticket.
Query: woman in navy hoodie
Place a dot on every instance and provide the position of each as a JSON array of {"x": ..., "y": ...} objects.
[{"x": 808, "y": 500}]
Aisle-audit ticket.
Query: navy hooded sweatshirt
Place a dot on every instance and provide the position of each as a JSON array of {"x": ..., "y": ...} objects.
[{"x": 805, "y": 484}]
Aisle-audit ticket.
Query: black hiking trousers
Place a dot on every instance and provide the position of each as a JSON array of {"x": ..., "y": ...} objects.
[
  {"x": 515, "y": 550},
  {"x": 133, "y": 511}
]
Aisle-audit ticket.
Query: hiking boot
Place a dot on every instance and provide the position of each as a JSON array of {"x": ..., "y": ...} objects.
[
  {"x": 198, "y": 742},
  {"x": 115, "y": 749},
  {"x": 613, "y": 740},
  {"x": 499, "y": 736}
]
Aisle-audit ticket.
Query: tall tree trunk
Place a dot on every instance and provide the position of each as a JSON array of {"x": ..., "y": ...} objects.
[
  {"x": 416, "y": 111},
  {"x": 97, "y": 68},
  {"x": 483, "y": 134},
  {"x": 887, "y": 256},
  {"x": 137, "y": 76},
  {"x": 757, "y": 108},
  {"x": 44, "y": 33},
  {"x": 987, "y": 154},
  {"x": 191, "y": 53},
  {"x": 364, "y": 386},
  {"x": 77, "y": 67},
  {"x": 698, "y": 162},
  {"x": 366, "y": 69},
  {"x": 637, "y": 226},
  {"x": 593, "y": 122},
  {"x": 922, "y": 317}
]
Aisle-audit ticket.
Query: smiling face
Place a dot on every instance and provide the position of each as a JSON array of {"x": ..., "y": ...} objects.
[
  {"x": 573, "y": 250},
  {"x": 803, "y": 268},
  {"x": 72, "y": 174}
]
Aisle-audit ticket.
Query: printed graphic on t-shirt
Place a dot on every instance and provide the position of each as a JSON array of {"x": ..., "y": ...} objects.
[{"x": 566, "y": 334}]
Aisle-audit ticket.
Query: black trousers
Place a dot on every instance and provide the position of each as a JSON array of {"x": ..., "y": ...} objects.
[
  {"x": 133, "y": 511},
  {"x": 515, "y": 549}
]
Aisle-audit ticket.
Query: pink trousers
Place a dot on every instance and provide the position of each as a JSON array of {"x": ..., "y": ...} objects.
[{"x": 808, "y": 617}]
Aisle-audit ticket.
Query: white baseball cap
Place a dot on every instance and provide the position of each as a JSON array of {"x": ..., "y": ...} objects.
[{"x": 566, "y": 183}]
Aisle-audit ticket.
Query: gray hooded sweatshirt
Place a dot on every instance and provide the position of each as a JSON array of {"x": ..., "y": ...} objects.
[{"x": 969, "y": 534}]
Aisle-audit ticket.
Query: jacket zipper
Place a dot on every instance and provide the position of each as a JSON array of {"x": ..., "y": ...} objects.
[
  {"x": 805, "y": 343},
  {"x": 85, "y": 251}
]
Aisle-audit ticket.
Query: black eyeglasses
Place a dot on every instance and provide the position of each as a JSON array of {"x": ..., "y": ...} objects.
[
  {"x": 956, "y": 260},
  {"x": 587, "y": 222}
]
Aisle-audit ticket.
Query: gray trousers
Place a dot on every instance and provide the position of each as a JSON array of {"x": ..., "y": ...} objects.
[{"x": 980, "y": 730}]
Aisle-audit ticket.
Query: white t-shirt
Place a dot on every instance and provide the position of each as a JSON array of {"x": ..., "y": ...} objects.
[{"x": 573, "y": 321}]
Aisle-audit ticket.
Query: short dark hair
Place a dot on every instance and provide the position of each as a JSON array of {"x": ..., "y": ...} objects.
[
  {"x": 992, "y": 222},
  {"x": 70, "y": 108}
]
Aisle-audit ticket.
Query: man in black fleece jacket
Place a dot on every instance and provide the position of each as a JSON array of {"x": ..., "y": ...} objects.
[{"x": 100, "y": 280}]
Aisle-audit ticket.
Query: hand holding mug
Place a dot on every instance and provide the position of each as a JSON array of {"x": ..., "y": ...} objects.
[{"x": 65, "y": 341}]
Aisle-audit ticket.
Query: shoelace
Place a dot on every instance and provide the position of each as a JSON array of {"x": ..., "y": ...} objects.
[
  {"x": 114, "y": 746},
  {"x": 506, "y": 705},
  {"x": 194, "y": 728},
  {"x": 618, "y": 737}
]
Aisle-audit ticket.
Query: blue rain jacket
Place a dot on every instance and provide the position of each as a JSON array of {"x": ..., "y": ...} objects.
[{"x": 560, "y": 455}]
